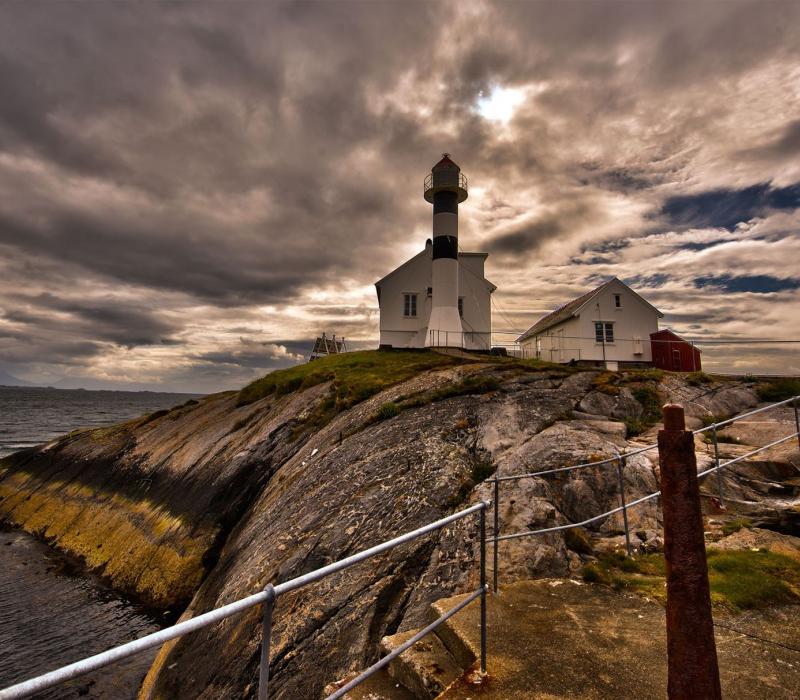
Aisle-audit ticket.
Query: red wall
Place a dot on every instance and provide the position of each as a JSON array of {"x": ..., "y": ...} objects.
[{"x": 672, "y": 352}]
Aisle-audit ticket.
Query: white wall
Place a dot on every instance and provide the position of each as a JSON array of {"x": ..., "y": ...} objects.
[
  {"x": 575, "y": 337},
  {"x": 477, "y": 318},
  {"x": 415, "y": 277}
]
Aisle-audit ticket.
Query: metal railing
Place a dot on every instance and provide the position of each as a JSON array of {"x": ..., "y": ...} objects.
[
  {"x": 621, "y": 462},
  {"x": 444, "y": 179},
  {"x": 466, "y": 340},
  {"x": 269, "y": 595},
  {"x": 266, "y": 599}
]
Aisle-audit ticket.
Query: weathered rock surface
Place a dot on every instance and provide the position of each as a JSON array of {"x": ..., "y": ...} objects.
[{"x": 212, "y": 501}]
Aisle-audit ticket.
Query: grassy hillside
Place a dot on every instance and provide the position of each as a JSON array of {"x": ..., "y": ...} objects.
[{"x": 355, "y": 375}]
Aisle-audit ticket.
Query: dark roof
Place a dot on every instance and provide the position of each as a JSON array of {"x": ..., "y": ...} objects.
[
  {"x": 562, "y": 313},
  {"x": 445, "y": 162},
  {"x": 664, "y": 332},
  {"x": 427, "y": 250}
]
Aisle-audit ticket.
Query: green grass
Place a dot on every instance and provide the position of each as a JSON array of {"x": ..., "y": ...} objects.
[
  {"x": 650, "y": 400},
  {"x": 779, "y": 390},
  {"x": 578, "y": 541},
  {"x": 482, "y": 469},
  {"x": 735, "y": 525},
  {"x": 473, "y": 384},
  {"x": 155, "y": 415},
  {"x": 355, "y": 375},
  {"x": 739, "y": 580},
  {"x": 642, "y": 375},
  {"x": 244, "y": 422},
  {"x": 745, "y": 579},
  {"x": 388, "y": 410},
  {"x": 639, "y": 380},
  {"x": 710, "y": 419},
  {"x": 634, "y": 427},
  {"x": 698, "y": 379}
]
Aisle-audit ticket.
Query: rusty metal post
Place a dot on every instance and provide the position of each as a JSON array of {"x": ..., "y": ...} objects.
[
  {"x": 691, "y": 651},
  {"x": 620, "y": 466}
]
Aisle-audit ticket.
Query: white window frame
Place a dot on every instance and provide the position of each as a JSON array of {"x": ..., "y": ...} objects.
[
  {"x": 618, "y": 301},
  {"x": 606, "y": 331},
  {"x": 410, "y": 305}
]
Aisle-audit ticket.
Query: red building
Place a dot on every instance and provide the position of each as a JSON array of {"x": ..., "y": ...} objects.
[{"x": 672, "y": 352}]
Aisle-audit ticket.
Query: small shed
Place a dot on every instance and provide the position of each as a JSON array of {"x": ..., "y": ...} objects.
[{"x": 674, "y": 353}]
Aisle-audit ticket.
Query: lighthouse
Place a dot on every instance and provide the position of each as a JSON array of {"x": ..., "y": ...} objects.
[{"x": 445, "y": 188}]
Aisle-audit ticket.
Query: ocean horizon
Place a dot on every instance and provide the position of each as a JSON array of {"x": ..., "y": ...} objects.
[{"x": 31, "y": 416}]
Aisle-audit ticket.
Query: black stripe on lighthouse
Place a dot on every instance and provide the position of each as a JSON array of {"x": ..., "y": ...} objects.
[
  {"x": 445, "y": 204},
  {"x": 445, "y": 247}
]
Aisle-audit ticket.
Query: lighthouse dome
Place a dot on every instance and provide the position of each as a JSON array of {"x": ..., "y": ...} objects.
[
  {"x": 445, "y": 176},
  {"x": 445, "y": 163}
]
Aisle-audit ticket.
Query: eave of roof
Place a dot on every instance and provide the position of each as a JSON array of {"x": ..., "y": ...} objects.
[
  {"x": 573, "y": 308},
  {"x": 492, "y": 287}
]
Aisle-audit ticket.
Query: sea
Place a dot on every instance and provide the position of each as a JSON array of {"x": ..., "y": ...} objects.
[
  {"x": 51, "y": 611},
  {"x": 31, "y": 416}
]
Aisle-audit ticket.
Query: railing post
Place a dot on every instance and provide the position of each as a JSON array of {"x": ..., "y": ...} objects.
[
  {"x": 483, "y": 588},
  {"x": 692, "y": 669},
  {"x": 266, "y": 634},
  {"x": 620, "y": 466},
  {"x": 716, "y": 462},
  {"x": 496, "y": 528}
]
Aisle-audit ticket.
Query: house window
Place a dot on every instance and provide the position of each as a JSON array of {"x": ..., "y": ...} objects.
[
  {"x": 409, "y": 304},
  {"x": 461, "y": 306},
  {"x": 618, "y": 301},
  {"x": 599, "y": 328}
]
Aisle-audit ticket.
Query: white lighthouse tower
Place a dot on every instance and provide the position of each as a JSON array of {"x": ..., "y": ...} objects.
[{"x": 445, "y": 188}]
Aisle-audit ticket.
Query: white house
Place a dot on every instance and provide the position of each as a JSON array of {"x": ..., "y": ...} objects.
[
  {"x": 405, "y": 299},
  {"x": 610, "y": 326}
]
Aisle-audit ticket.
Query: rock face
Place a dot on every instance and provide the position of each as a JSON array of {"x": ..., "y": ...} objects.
[
  {"x": 211, "y": 502},
  {"x": 148, "y": 503}
]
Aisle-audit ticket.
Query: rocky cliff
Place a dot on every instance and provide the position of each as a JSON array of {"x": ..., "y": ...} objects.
[{"x": 210, "y": 501}]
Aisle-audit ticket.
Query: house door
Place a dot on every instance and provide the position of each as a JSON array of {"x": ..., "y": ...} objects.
[{"x": 676, "y": 359}]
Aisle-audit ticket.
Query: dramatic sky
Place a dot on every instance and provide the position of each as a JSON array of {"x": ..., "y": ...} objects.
[{"x": 190, "y": 192}]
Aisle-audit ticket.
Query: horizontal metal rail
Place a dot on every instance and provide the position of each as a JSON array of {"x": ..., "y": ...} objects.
[
  {"x": 729, "y": 421},
  {"x": 639, "y": 501},
  {"x": 608, "y": 460},
  {"x": 569, "y": 526},
  {"x": 386, "y": 660},
  {"x": 646, "y": 448},
  {"x": 93, "y": 663},
  {"x": 747, "y": 455}
]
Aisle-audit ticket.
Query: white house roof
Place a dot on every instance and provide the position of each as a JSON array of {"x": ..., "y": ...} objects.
[
  {"x": 492, "y": 287},
  {"x": 574, "y": 307}
]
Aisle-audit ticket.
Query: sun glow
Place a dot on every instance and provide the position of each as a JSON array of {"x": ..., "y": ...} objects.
[{"x": 500, "y": 103}]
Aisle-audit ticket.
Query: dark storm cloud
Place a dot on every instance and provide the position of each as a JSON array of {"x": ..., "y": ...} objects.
[
  {"x": 786, "y": 144},
  {"x": 650, "y": 281},
  {"x": 195, "y": 172},
  {"x": 755, "y": 284},
  {"x": 725, "y": 208},
  {"x": 531, "y": 234}
]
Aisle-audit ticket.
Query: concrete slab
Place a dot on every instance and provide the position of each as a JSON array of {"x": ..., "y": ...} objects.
[
  {"x": 426, "y": 669},
  {"x": 562, "y": 639},
  {"x": 381, "y": 686}
]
